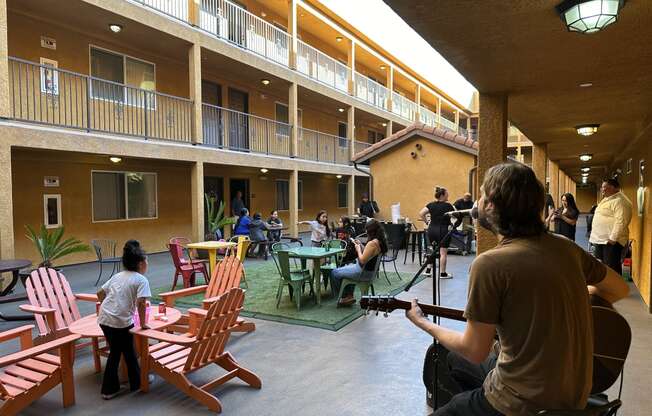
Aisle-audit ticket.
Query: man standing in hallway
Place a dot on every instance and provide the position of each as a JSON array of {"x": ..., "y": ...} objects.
[
  {"x": 610, "y": 228},
  {"x": 237, "y": 204}
]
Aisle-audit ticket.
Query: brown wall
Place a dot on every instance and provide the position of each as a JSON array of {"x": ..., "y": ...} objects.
[
  {"x": 74, "y": 172},
  {"x": 400, "y": 178},
  {"x": 585, "y": 198}
]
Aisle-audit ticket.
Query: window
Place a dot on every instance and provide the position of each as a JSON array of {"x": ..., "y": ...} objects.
[
  {"x": 341, "y": 132},
  {"x": 52, "y": 211},
  {"x": 342, "y": 195},
  {"x": 123, "y": 195},
  {"x": 283, "y": 195},
  {"x": 123, "y": 70},
  {"x": 282, "y": 115}
]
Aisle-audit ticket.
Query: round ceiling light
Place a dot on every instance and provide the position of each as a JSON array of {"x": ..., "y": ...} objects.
[
  {"x": 341, "y": 110},
  {"x": 589, "y": 16},
  {"x": 264, "y": 170},
  {"x": 585, "y": 175},
  {"x": 586, "y": 85},
  {"x": 383, "y": 67},
  {"x": 115, "y": 28},
  {"x": 585, "y": 169},
  {"x": 115, "y": 159},
  {"x": 586, "y": 157},
  {"x": 339, "y": 38},
  {"x": 383, "y": 124},
  {"x": 587, "y": 129},
  {"x": 265, "y": 81},
  {"x": 338, "y": 176}
]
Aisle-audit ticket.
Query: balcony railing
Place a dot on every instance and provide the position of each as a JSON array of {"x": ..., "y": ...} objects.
[
  {"x": 427, "y": 117},
  {"x": 322, "y": 147},
  {"x": 173, "y": 8},
  {"x": 43, "y": 94},
  {"x": 319, "y": 66},
  {"x": 447, "y": 124},
  {"x": 403, "y": 107},
  {"x": 370, "y": 91},
  {"x": 233, "y": 130},
  {"x": 360, "y": 146},
  {"x": 462, "y": 131}
]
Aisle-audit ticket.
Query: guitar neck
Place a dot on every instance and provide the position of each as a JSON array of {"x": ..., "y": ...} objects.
[{"x": 443, "y": 312}]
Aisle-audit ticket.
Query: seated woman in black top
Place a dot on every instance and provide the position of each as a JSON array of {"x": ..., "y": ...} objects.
[
  {"x": 346, "y": 232},
  {"x": 565, "y": 218},
  {"x": 438, "y": 226}
]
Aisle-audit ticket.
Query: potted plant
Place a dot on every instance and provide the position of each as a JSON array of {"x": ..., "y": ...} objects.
[
  {"x": 216, "y": 220},
  {"x": 51, "y": 246}
]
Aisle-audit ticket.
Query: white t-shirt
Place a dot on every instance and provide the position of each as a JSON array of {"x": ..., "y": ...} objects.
[
  {"x": 318, "y": 231},
  {"x": 122, "y": 290}
]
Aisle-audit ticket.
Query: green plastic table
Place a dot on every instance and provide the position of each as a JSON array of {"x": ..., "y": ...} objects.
[{"x": 316, "y": 254}]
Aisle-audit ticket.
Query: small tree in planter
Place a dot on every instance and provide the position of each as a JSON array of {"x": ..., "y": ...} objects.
[
  {"x": 50, "y": 246},
  {"x": 215, "y": 217}
]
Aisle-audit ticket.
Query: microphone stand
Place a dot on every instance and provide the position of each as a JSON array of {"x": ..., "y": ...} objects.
[{"x": 434, "y": 259}]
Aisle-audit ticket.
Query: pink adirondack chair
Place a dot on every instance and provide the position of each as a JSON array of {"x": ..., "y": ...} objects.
[
  {"x": 175, "y": 356},
  {"x": 186, "y": 268},
  {"x": 27, "y": 375},
  {"x": 55, "y": 307}
]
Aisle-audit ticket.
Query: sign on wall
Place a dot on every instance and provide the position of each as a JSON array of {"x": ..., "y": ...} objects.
[
  {"x": 49, "y": 76},
  {"x": 51, "y": 181}
]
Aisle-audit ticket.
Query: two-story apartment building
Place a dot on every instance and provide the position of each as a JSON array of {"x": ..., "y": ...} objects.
[{"x": 118, "y": 115}]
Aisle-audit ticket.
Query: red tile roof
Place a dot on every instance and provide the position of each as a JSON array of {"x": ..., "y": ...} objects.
[{"x": 437, "y": 134}]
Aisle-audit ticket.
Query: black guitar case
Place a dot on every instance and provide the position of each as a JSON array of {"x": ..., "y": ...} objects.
[{"x": 446, "y": 386}]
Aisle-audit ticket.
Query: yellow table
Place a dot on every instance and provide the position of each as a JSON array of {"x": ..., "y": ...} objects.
[{"x": 212, "y": 247}]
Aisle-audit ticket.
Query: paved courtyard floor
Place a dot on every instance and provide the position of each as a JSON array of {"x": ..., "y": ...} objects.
[{"x": 372, "y": 365}]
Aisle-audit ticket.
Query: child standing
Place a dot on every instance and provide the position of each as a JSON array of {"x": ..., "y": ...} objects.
[
  {"x": 319, "y": 229},
  {"x": 120, "y": 297}
]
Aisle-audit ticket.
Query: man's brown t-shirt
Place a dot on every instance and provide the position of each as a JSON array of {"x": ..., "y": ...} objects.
[{"x": 534, "y": 291}]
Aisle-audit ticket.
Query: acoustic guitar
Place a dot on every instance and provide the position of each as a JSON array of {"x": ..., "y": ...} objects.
[{"x": 612, "y": 335}]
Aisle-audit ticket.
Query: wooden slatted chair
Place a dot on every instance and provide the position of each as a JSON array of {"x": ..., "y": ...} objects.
[
  {"x": 175, "y": 356},
  {"x": 241, "y": 251},
  {"x": 27, "y": 375},
  {"x": 226, "y": 275},
  {"x": 55, "y": 307}
]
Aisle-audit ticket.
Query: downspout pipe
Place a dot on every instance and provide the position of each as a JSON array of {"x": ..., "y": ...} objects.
[{"x": 371, "y": 180}]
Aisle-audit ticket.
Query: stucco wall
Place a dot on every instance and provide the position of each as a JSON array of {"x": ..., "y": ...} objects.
[{"x": 586, "y": 198}]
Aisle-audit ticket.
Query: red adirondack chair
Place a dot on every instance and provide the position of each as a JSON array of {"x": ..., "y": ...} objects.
[
  {"x": 187, "y": 269},
  {"x": 227, "y": 275},
  {"x": 55, "y": 307},
  {"x": 182, "y": 242},
  {"x": 175, "y": 356},
  {"x": 32, "y": 372}
]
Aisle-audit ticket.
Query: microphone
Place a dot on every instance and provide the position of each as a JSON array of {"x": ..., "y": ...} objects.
[{"x": 459, "y": 214}]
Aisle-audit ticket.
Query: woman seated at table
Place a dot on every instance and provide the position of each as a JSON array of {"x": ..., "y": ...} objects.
[
  {"x": 257, "y": 229},
  {"x": 274, "y": 235},
  {"x": 346, "y": 232},
  {"x": 363, "y": 268},
  {"x": 242, "y": 224}
]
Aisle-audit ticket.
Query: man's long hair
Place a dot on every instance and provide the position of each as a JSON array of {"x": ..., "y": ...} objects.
[{"x": 518, "y": 198}]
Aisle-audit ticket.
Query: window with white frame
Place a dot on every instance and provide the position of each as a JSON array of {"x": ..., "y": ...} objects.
[
  {"x": 342, "y": 195},
  {"x": 283, "y": 195},
  {"x": 341, "y": 133},
  {"x": 124, "y": 195},
  {"x": 52, "y": 211}
]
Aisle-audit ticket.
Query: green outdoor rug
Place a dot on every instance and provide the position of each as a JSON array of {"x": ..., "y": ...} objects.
[{"x": 260, "y": 299}]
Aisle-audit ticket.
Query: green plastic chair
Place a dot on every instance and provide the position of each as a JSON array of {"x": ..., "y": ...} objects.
[
  {"x": 330, "y": 264},
  {"x": 294, "y": 280},
  {"x": 363, "y": 285},
  {"x": 295, "y": 264}
]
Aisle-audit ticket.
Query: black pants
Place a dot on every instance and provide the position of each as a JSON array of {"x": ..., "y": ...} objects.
[
  {"x": 611, "y": 255},
  {"x": 469, "y": 377},
  {"x": 121, "y": 343}
]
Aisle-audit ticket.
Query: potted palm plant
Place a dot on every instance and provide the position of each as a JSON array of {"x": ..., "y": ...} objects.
[
  {"x": 216, "y": 220},
  {"x": 51, "y": 246}
]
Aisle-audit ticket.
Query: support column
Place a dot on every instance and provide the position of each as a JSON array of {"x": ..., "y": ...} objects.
[
  {"x": 439, "y": 113},
  {"x": 194, "y": 69},
  {"x": 390, "y": 86},
  {"x": 457, "y": 121},
  {"x": 417, "y": 100},
  {"x": 468, "y": 127},
  {"x": 553, "y": 171},
  {"x": 197, "y": 200},
  {"x": 5, "y": 108},
  {"x": 350, "y": 61},
  {"x": 6, "y": 203},
  {"x": 350, "y": 130},
  {"x": 539, "y": 161},
  {"x": 292, "y": 31},
  {"x": 389, "y": 128},
  {"x": 293, "y": 119},
  {"x": 350, "y": 196},
  {"x": 492, "y": 127},
  {"x": 294, "y": 203}
]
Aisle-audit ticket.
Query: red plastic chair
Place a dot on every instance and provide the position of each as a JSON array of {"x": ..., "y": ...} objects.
[
  {"x": 187, "y": 270},
  {"x": 182, "y": 242}
]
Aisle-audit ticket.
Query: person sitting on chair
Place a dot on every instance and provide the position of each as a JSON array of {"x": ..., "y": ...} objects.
[
  {"x": 366, "y": 260},
  {"x": 242, "y": 224},
  {"x": 531, "y": 289},
  {"x": 346, "y": 232},
  {"x": 274, "y": 235},
  {"x": 257, "y": 229}
]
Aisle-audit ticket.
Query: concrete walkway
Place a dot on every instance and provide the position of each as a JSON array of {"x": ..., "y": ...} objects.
[{"x": 372, "y": 365}]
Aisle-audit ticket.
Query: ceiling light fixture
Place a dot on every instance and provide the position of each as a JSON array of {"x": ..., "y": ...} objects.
[
  {"x": 338, "y": 176},
  {"x": 586, "y": 85},
  {"x": 585, "y": 180},
  {"x": 587, "y": 129},
  {"x": 585, "y": 175},
  {"x": 383, "y": 124},
  {"x": 264, "y": 170},
  {"x": 115, "y": 28},
  {"x": 589, "y": 16},
  {"x": 586, "y": 157},
  {"x": 115, "y": 159},
  {"x": 341, "y": 110},
  {"x": 265, "y": 81},
  {"x": 585, "y": 169},
  {"x": 263, "y": 14},
  {"x": 383, "y": 67},
  {"x": 339, "y": 38}
]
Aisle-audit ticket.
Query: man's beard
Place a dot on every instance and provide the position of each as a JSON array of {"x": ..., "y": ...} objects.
[{"x": 481, "y": 219}]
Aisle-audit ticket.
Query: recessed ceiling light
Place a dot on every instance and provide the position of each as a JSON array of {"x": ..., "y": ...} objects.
[
  {"x": 585, "y": 175},
  {"x": 264, "y": 170},
  {"x": 384, "y": 124},
  {"x": 383, "y": 67},
  {"x": 586, "y": 84},
  {"x": 341, "y": 110},
  {"x": 265, "y": 81},
  {"x": 585, "y": 180},
  {"x": 586, "y": 157},
  {"x": 339, "y": 38},
  {"x": 115, "y": 28},
  {"x": 587, "y": 129},
  {"x": 263, "y": 14},
  {"x": 585, "y": 169},
  {"x": 302, "y": 15},
  {"x": 115, "y": 159},
  {"x": 338, "y": 176}
]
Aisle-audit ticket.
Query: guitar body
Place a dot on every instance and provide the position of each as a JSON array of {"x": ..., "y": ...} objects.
[{"x": 437, "y": 355}]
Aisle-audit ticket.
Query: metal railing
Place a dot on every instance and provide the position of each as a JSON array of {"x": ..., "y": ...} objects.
[
  {"x": 317, "y": 65},
  {"x": 233, "y": 130},
  {"x": 427, "y": 117},
  {"x": 462, "y": 131},
  {"x": 173, "y": 8},
  {"x": 403, "y": 107},
  {"x": 370, "y": 91},
  {"x": 47, "y": 95},
  {"x": 447, "y": 124},
  {"x": 322, "y": 147},
  {"x": 231, "y": 22},
  {"x": 360, "y": 146}
]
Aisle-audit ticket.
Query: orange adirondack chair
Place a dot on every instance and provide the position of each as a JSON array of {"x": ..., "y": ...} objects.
[
  {"x": 226, "y": 275},
  {"x": 55, "y": 307},
  {"x": 175, "y": 356},
  {"x": 30, "y": 373}
]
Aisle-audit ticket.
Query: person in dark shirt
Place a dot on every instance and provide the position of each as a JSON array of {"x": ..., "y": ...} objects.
[
  {"x": 237, "y": 204},
  {"x": 466, "y": 202},
  {"x": 274, "y": 234},
  {"x": 438, "y": 226},
  {"x": 346, "y": 232},
  {"x": 565, "y": 218},
  {"x": 367, "y": 208}
]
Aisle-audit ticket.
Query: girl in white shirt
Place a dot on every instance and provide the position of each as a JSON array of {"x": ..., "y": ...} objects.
[
  {"x": 319, "y": 229},
  {"x": 120, "y": 297}
]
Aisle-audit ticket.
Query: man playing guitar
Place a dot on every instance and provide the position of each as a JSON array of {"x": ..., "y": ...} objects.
[{"x": 531, "y": 289}]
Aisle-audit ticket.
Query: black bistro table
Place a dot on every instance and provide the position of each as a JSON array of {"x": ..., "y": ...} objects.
[{"x": 14, "y": 266}]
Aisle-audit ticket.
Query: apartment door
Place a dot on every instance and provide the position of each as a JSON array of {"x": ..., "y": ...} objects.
[
  {"x": 241, "y": 185},
  {"x": 211, "y": 93},
  {"x": 237, "y": 23},
  {"x": 214, "y": 188},
  {"x": 238, "y": 122}
]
